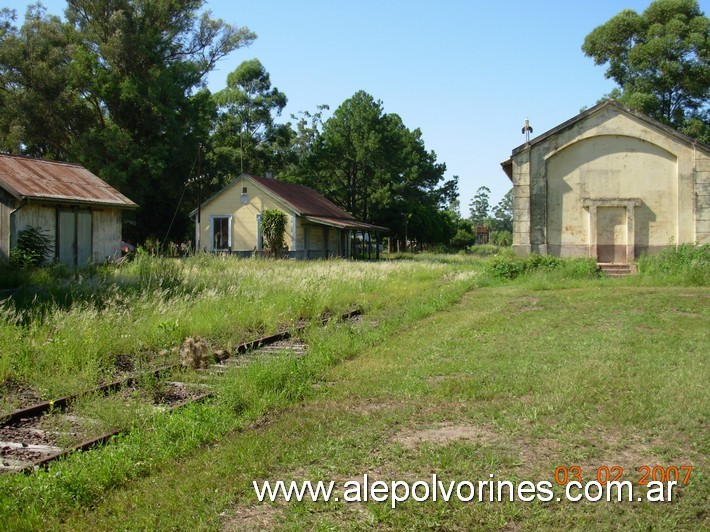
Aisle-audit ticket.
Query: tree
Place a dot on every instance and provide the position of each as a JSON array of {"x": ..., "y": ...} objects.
[
  {"x": 503, "y": 213},
  {"x": 480, "y": 206},
  {"x": 661, "y": 61},
  {"x": 246, "y": 138},
  {"x": 119, "y": 88},
  {"x": 41, "y": 87},
  {"x": 370, "y": 164}
]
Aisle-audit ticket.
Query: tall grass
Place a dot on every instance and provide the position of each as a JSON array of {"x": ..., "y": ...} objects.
[
  {"x": 684, "y": 264},
  {"x": 138, "y": 309},
  {"x": 392, "y": 294}
]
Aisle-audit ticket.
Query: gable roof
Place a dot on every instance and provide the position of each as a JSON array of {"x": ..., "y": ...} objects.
[
  {"x": 651, "y": 122},
  {"x": 39, "y": 180},
  {"x": 305, "y": 201}
]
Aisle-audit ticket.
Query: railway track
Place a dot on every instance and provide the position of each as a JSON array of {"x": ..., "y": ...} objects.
[{"x": 33, "y": 437}]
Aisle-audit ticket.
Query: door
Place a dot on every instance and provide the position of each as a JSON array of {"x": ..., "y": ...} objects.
[
  {"x": 611, "y": 234},
  {"x": 74, "y": 237}
]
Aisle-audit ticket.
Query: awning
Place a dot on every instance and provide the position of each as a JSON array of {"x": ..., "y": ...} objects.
[{"x": 341, "y": 223}]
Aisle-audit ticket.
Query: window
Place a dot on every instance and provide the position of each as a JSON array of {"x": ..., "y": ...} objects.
[{"x": 221, "y": 233}]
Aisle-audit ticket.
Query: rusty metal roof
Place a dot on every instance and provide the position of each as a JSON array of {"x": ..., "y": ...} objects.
[
  {"x": 345, "y": 224},
  {"x": 313, "y": 206},
  {"x": 39, "y": 180},
  {"x": 304, "y": 200}
]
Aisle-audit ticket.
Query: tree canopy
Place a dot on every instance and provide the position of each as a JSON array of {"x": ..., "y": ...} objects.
[
  {"x": 370, "y": 164},
  {"x": 661, "y": 61},
  {"x": 117, "y": 87}
]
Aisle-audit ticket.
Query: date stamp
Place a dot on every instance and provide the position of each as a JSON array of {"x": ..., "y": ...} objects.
[{"x": 605, "y": 474}]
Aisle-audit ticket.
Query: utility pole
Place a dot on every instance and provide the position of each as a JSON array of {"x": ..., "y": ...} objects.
[{"x": 198, "y": 225}]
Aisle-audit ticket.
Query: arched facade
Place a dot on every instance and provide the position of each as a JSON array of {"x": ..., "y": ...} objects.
[{"x": 610, "y": 184}]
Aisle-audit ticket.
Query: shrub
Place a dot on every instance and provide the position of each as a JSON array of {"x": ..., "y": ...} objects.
[
  {"x": 33, "y": 246},
  {"x": 690, "y": 262},
  {"x": 273, "y": 229},
  {"x": 510, "y": 267}
]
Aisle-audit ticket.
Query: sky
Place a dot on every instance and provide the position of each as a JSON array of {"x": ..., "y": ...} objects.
[{"x": 467, "y": 73}]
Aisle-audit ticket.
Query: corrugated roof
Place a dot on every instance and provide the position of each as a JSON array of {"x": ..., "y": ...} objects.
[
  {"x": 36, "y": 179},
  {"x": 345, "y": 224},
  {"x": 303, "y": 199}
]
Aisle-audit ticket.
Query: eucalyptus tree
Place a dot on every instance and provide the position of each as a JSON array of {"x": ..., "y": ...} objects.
[
  {"x": 660, "y": 60},
  {"x": 246, "y": 136}
]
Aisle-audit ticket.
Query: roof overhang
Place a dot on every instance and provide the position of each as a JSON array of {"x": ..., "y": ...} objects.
[
  {"x": 508, "y": 168},
  {"x": 340, "y": 223},
  {"x": 77, "y": 201}
]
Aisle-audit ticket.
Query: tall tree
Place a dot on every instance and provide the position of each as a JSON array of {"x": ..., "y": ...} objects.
[
  {"x": 42, "y": 88},
  {"x": 246, "y": 138},
  {"x": 661, "y": 61},
  {"x": 133, "y": 71},
  {"x": 481, "y": 206},
  {"x": 372, "y": 165},
  {"x": 503, "y": 213}
]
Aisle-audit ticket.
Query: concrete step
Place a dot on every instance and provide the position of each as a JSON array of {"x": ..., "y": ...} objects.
[{"x": 613, "y": 269}]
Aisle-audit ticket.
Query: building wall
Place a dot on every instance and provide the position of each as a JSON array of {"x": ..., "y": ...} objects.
[
  {"x": 611, "y": 167},
  {"x": 35, "y": 215},
  {"x": 106, "y": 234},
  {"x": 569, "y": 186},
  {"x": 244, "y": 217},
  {"x": 105, "y": 227},
  {"x": 7, "y": 204}
]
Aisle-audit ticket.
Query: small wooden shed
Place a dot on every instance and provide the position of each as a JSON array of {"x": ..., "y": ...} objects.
[
  {"x": 77, "y": 210},
  {"x": 230, "y": 221}
]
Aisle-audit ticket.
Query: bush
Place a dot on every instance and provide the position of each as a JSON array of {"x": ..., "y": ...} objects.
[
  {"x": 33, "y": 246},
  {"x": 690, "y": 262},
  {"x": 273, "y": 229},
  {"x": 511, "y": 267},
  {"x": 484, "y": 250}
]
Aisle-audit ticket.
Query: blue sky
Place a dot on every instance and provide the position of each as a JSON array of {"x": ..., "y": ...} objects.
[{"x": 467, "y": 73}]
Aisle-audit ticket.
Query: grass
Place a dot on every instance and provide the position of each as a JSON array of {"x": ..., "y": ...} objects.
[
  {"x": 73, "y": 337},
  {"x": 512, "y": 379},
  {"x": 509, "y": 382}
]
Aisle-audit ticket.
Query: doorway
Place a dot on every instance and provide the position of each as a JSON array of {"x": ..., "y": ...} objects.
[{"x": 611, "y": 234}]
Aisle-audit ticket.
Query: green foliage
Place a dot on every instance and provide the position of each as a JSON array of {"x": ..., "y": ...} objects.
[
  {"x": 156, "y": 273},
  {"x": 273, "y": 230},
  {"x": 660, "y": 61},
  {"x": 688, "y": 263},
  {"x": 480, "y": 207},
  {"x": 33, "y": 246},
  {"x": 484, "y": 250},
  {"x": 500, "y": 238},
  {"x": 245, "y": 134},
  {"x": 370, "y": 164},
  {"x": 116, "y": 87},
  {"x": 511, "y": 267}
]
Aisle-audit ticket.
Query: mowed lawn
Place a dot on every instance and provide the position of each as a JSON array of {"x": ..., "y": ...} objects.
[{"x": 510, "y": 382}]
